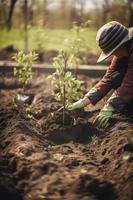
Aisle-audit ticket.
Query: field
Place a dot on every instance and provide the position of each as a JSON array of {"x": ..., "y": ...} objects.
[
  {"x": 40, "y": 159},
  {"x": 50, "y": 39},
  {"x": 50, "y": 147}
]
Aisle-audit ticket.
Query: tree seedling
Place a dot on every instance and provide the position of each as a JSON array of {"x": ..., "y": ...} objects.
[
  {"x": 40, "y": 39},
  {"x": 77, "y": 44},
  {"x": 66, "y": 88},
  {"x": 23, "y": 70}
]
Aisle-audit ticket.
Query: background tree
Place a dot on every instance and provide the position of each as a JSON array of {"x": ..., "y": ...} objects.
[
  {"x": 3, "y": 12},
  {"x": 130, "y": 7},
  {"x": 106, "y": 9},
  {"x": 10, "y": 13},
  {"x": 62, "y": 13}
]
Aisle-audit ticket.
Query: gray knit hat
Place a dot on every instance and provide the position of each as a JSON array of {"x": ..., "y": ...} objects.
[{"x": 110, "y": 37}]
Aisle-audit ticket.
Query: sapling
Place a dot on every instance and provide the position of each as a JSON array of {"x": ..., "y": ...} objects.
[
  {"x": 66, "y": 88},
  {"x": 40, "y": 41},
  {"x": 77, "y": 44},
  {"x": 23, "y": 71}
]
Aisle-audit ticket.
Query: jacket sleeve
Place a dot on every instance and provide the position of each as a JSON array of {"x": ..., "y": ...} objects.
[
  {"x": 124, "y": 93},
  {"x": 112, "y": 79}
]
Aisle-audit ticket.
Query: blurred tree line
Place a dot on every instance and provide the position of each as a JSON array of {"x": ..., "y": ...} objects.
[{"x": 62, "y": 13}]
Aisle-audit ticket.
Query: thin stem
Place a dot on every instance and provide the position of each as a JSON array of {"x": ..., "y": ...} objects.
[
  {"x": 76, "y": 71},
  {"x": 23, "y": 88},
  {"x": 64, "y": 88}
]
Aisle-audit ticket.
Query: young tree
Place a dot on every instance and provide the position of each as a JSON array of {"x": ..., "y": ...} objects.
[
  {"x": 66, "y": 88},
  {"x": 23, "y": 70}
]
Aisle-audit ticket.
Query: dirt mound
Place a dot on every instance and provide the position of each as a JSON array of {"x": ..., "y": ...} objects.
[
  {"x": 92, "y": 188},
  {"x": 7, "y": 52},
  {"x": 8, "y": 190},
  {"x": 42, "y": 159}
]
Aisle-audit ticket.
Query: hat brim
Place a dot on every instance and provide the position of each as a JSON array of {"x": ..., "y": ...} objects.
[{"x": 104, "y": 56}]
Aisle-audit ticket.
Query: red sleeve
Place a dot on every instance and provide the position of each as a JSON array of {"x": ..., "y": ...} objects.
[
  {"x": 125, "y": 91},
  {"x": 111, "y": 80},
  {"x": 104, "y": 85}
]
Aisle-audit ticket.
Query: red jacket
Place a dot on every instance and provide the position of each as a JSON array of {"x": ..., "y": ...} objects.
[{"x": 119, "y": 76}]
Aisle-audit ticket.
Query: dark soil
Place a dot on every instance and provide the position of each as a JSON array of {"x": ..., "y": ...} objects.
[{"x": 42, "y": 159}]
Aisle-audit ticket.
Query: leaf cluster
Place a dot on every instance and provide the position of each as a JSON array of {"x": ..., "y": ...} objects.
[
  {"x": 23, "y": 70},
  {"x": 62, "y": 78}
]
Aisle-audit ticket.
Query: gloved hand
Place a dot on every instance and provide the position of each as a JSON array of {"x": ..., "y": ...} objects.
[
  {"x": 102, "y": 120},
  {"x": 77, "y": 105}
]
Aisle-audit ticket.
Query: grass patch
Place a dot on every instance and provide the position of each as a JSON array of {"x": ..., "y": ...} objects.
[{"x": 52, "y": 39}]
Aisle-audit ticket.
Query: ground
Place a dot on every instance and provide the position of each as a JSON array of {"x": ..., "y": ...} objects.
[{"x": 41, "y": 159}]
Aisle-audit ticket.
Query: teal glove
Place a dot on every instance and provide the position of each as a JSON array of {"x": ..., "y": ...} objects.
[
  {"x": 77, "y": 105},
  {"x": 102, "y": 120}
]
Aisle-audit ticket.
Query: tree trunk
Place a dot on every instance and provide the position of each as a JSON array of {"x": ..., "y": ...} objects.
[
  {"x": 130, "y": 20},
  {"x": 10, "y": 14},
  {"x": 105, "y": 11},
  {"x": 26, "y": 26}
]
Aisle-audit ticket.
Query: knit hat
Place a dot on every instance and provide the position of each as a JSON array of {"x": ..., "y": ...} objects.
[{"x": 110, "y": 37}]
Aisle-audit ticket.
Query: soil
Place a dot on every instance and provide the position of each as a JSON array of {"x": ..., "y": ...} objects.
[{"x": 40, "y": 158}]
